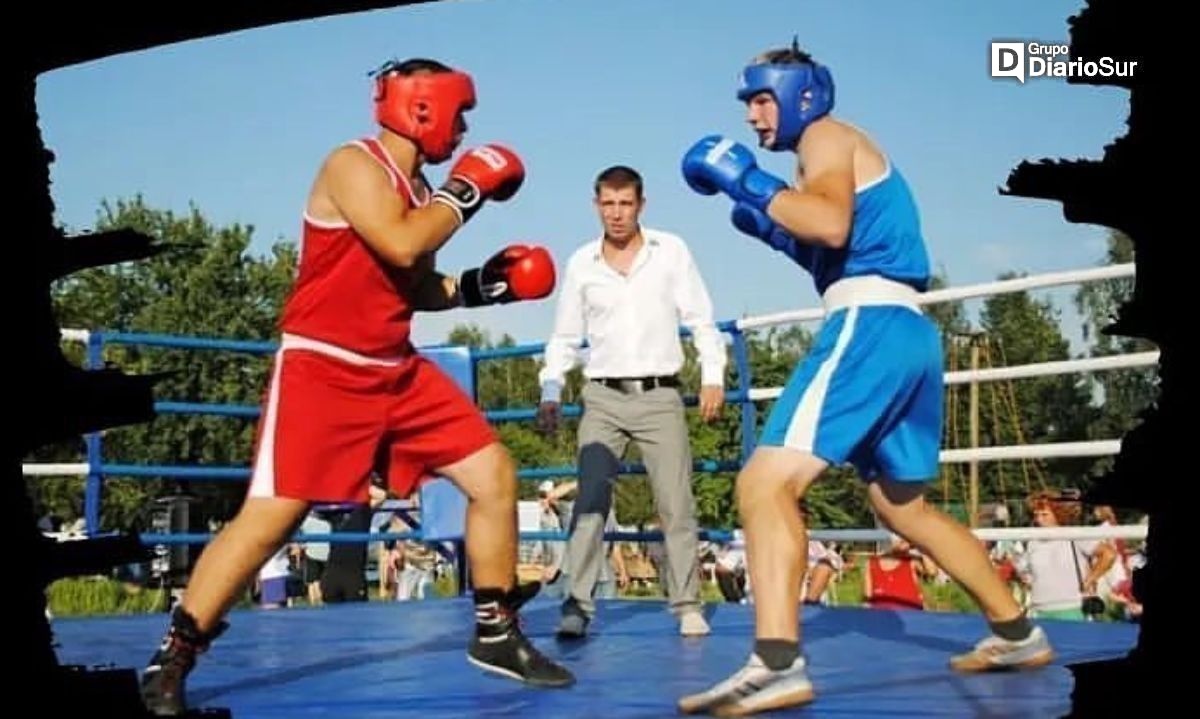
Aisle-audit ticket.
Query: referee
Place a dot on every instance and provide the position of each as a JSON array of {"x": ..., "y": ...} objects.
[{"x": 627, "y": 292}]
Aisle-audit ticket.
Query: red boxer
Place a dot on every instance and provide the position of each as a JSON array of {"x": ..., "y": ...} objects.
[{"x": 349, "y": 395}]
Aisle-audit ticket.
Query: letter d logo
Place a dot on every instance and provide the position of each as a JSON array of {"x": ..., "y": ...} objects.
[{"x": 1008, "y": 60}]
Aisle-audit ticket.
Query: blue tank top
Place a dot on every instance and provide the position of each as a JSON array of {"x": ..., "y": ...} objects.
[{"x": 885, "y": 239}]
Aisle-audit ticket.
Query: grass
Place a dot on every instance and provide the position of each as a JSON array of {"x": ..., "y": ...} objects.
[
  {"x": 90, "y": 596},
  {"x": 99, "y": 596},
  {"x": 102, "y": 596}
]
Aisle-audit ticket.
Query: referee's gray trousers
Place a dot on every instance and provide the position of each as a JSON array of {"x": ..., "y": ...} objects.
[{"x": 655, "y": 421}]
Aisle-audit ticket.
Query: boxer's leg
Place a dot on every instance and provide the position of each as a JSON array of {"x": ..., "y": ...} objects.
[
  {"x": 230, "y": 561},
  {"x": 768, "y": 491},
  {"x": 1016, "y": 643},
  {"x": 316, "y": 440},
  {"x": 438, "y": 430},
  {"x": 488, "y": 478},
  {"x": 907, "y": 459},
  {"x": 836, "y": 405}
]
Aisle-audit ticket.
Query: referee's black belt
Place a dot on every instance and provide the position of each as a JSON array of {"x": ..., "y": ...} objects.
[{"x": 631, "y": 385}]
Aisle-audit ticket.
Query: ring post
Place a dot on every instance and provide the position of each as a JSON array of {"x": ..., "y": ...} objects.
[
  {"x": 443, "y": 504},
  {"x": 94, "y": 484},
  {"x": 741, "y": 357}
]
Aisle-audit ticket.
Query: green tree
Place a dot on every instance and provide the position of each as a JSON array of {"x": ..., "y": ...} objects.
[
  {"x": 510, "y": 383},
  {"x": 717, "y": 441},
  {"x": 1125, "y": 393},
  {"x": 774, "y": 354},
  {"x": 1016, "y": 329},
  {"x": 211, "y": 287},
  {"x": 951, "y": 319}
]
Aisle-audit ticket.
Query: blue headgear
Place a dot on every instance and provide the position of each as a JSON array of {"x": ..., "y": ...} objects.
[{"x": 788, "y": 82}]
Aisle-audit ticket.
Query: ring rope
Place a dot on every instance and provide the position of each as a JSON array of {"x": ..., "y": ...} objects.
[
  {"x": 953, "y": 294},
  {"x": 1137, "y": 532}
]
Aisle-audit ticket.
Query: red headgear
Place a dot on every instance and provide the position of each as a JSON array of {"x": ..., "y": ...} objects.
[{"x": 424, "y": 108}]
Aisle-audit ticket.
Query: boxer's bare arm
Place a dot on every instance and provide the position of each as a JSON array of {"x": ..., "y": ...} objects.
[
  {"x": 821, "y": 212},
  {"x": 353, "y": 188}
]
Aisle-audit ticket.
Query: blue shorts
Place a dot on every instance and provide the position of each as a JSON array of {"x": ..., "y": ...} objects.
[{"x": 869, "y": 393}]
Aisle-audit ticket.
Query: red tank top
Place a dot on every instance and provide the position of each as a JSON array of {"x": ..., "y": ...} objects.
[
  {"x": 344, "y": 293},
  {"x": 895, "y": 588}
]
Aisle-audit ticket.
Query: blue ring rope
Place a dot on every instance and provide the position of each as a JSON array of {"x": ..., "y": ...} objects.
[
  {"x": 98, "y": 469},
  {"x": 710, "y": 535}
]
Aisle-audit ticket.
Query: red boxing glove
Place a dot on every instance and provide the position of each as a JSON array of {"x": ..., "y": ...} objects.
[
  {"x": 490, "y": 172},
  {"x": 518, "y": 272}
]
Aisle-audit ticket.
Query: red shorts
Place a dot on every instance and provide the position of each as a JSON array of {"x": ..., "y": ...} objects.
[{"x": 331, "y": 417}]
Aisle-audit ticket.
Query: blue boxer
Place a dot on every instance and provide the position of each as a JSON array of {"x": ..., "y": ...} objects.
[
  {"x": 868, "y": 393},
  {"x": 871, "y": 388}
]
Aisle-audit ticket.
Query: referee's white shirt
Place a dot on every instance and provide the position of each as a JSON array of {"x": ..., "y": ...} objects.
[{"x": 631, "y": 322}]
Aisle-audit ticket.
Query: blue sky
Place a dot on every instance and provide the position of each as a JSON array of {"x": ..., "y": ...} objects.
[{"x": 237, "y": 125}]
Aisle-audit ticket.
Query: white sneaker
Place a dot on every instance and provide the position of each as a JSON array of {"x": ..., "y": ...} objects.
[
  {"x": 754, "y": 688},
  {"x": 994, "y": 653},
  {"x": 692, "y": 624}
]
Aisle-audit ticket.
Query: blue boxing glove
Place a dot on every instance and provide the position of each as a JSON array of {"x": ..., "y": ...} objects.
[
  {"x": 757, "y": 224},
  {"x": 717, "y": 164},
  {"x": 751, "y": 221}
]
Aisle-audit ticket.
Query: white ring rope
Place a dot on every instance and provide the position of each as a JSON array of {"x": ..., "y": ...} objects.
[
  {"x": 992, "y": 374},
  {"x": 61, "y": 469},
  {"x": 1091, "y": 364},
  {"x": 1048, "y": 450},
  {"x": 991, "y": 534},
  {"x": 952, "y": 294},
  {"x": 1043, "y": 369},
  {"x": 1095, "y": 448},
  {"x": 76, "y": 335},
  {"x": 1036, "y": 369}
]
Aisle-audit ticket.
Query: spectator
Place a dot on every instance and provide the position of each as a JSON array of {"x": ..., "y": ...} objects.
[
  {"x": 730, "y": 569},
  {"x": 1062, "y": 575},
  {"x": 557, "y": 514},
  {"x": 272, "y": 580},
  {"x": 417, "y": 563},
  {"x": 1116, "y": 585},
  {"x": 314, "y": 555},
  {"x": 824, "y": 563},
  {"x": 892, "y": 580}
]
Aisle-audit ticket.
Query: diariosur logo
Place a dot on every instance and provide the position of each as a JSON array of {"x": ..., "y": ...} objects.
[{"x": 1025, "y": 60}]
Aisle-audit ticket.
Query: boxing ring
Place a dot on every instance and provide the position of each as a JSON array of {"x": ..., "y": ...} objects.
[{"x": 384, "y": 659}]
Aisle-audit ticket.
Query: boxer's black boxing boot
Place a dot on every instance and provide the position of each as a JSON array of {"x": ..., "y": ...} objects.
[
  {"x": 162, "y": 683},
  {"x": 500, "y": 647},
  {"x": 522, "y": 593}
]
